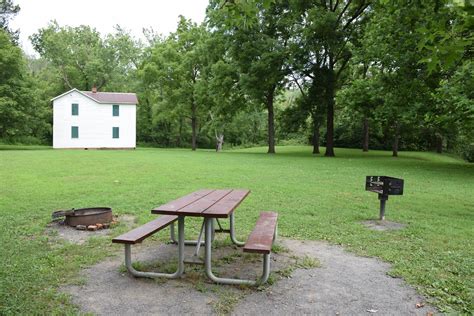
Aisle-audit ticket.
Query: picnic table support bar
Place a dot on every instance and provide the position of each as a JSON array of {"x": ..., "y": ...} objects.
[
  {"x": 186, "y": 242},
  {"x": 199, "y": 241},
  {"x": 208, "y": 262},
  {"x": 219, "y": 224},
  {"x": 232, "y": 231},
  {"x": 177, "y": 274},
  {"x": 195, "y": 242}
]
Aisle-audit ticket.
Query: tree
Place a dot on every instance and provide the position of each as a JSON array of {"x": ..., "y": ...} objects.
[
  {"x": 260, "y": 50},
  {"x": 445, "y": 47},
  {"x": 7, "y": 11},
  {"x": 224, "y": 89},
  {"x": 362, "y": 96},
  {"x": 178, "y": 70},
  {"x": 21, "y": 113},
  {"x": 126, "y": 54},
  {"x": 323, "y": 40},
  {"x": 311, "y": 104},
  {"x": 446, "y": 36},
  {"x": 79, "y": 53},
  {"x": 407, "y": 84},
  {"x": 452, "y": 113}
]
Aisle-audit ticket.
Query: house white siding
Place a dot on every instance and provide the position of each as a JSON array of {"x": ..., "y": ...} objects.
[{"x": 95, "y": 123}]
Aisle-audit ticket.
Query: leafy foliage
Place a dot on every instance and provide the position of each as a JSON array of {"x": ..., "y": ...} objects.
[
  {"x": 7, "y": 11},
  {"x": 384, "y": 74},
  {"x": 20, "y": 113}
]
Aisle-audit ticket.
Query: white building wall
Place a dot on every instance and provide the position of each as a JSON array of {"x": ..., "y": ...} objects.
[{"x": 95, "y": 122}]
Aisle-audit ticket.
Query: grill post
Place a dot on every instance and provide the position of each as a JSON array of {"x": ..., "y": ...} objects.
[{"x": 383, "y": 199}]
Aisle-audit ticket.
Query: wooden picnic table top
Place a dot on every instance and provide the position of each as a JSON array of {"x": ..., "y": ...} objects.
[{"x": 204, "y": 203}]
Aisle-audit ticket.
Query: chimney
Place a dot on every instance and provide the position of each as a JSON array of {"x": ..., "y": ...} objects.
[{"x": 94, "y": 89}]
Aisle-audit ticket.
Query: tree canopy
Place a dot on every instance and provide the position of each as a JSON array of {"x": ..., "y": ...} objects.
[{"x": 350, "y": 73}]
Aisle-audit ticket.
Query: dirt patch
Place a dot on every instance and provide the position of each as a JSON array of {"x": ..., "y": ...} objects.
[
  {"x": 383, "y": 225},
  {"x": 345, "y": 284},
  {"x": 312, "y": 278},
  {"x": 72, "y": 235}
]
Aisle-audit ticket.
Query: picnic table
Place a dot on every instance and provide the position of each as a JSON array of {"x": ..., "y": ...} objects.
[{"x": 211, "y": 205}]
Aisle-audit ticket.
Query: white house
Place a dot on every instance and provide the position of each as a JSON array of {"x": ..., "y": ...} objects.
[{"x": 91, "y": 119}]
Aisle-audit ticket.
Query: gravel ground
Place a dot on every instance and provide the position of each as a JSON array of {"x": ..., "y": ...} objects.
[
  {"x": 342, "y": 284},
  {"x": 383, "y": 225}
]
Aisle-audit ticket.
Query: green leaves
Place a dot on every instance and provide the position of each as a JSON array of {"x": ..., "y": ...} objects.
[
  {"x": 177, "y": 73},
  {"x": 19, "y": 108},
  {"x": 7, "y": 11},
  {"x": 84, "y": 58},
  {"x": 445, "y": 37}
]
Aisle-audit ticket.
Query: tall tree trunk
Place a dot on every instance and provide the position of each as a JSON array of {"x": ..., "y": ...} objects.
[
  {"x": 315, "y": 137},
  {"x": 330, "y": 115},
  {"x": 365, "y": 142},
  {"x": 439, "y": 143},
  {"x": 396, "y": 138},
  {"x": 271, "y": 121},
  {"x": 193, "y": 125}
]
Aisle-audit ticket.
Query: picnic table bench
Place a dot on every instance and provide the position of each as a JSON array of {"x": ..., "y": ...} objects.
[{"x": 211, "y": 205}]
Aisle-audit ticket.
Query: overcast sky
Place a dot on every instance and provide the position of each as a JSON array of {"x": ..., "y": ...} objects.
[{"x": 161, "y": 15}]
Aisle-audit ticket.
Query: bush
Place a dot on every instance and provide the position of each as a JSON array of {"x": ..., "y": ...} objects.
[
  {"x": 294, "y": 139},
  {"x": 24, "y": 140},
  {"x": 467, "y": 151}
]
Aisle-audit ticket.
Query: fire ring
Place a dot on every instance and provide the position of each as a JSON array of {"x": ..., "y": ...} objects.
[{"x": 86, "y": 216}]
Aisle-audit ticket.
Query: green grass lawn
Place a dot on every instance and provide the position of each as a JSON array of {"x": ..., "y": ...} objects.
[{"x": 317, "y": 198}]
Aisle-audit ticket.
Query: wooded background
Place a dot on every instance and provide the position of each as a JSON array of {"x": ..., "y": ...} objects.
[{"x": 352, "y": 73}]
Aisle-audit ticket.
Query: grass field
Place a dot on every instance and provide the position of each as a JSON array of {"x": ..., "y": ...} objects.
[{"x": 317, "y": 198}]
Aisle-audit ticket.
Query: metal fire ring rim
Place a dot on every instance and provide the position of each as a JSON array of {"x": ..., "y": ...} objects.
[{"x": 100, "y": 210}]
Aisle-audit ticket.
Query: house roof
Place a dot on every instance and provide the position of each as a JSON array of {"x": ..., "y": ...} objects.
[
  {"x": 106, "y": 97},
  {"x": 112, "y": 97}
]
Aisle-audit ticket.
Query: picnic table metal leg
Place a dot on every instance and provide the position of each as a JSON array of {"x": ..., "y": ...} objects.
[
  {"x": 208, "y": 262},
  {"x": 213, "y": 230},
  {"x": 232, "y": 231},
  {"x": 179, "y": 271}
]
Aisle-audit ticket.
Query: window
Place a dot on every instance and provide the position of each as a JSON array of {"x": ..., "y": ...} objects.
[
  {"x": 75, "y": 109},
  {"x": 115, "y": 110},
  {"x": 74, "y": 131},
  {"x": 115, "y": 132}
]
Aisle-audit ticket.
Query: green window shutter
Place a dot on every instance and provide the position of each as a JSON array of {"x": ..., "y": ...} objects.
[
  {"x": 75, "y": 109},
  {"x": 74, "y": 131},
  {"x": 115, "y": 110},
  {"x": 115, "y": 132}
]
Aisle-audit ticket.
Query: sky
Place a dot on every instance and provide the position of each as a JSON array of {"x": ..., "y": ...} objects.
[{"x": 161, "y": 15}]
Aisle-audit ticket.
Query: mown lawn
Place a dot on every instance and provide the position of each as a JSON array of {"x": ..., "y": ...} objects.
[{"x": 317, "y": 198}]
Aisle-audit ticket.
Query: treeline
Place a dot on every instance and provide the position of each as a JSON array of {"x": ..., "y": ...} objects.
[{"x": 352, "y": 73}]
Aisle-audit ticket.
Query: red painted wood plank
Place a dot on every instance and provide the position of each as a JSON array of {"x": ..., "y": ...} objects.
[
  {"x": 201, "y": 205},
  {"x": 140, "y": 233},
  {"x": 261, "y": 238},
  {"x": 227, "y": 204},
  {"x": 174, "y": 206}
]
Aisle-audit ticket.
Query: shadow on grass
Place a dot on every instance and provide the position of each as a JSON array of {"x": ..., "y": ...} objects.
[
  {"x": 349, "y": 153},
  {"x": 437, "y": 164}
]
